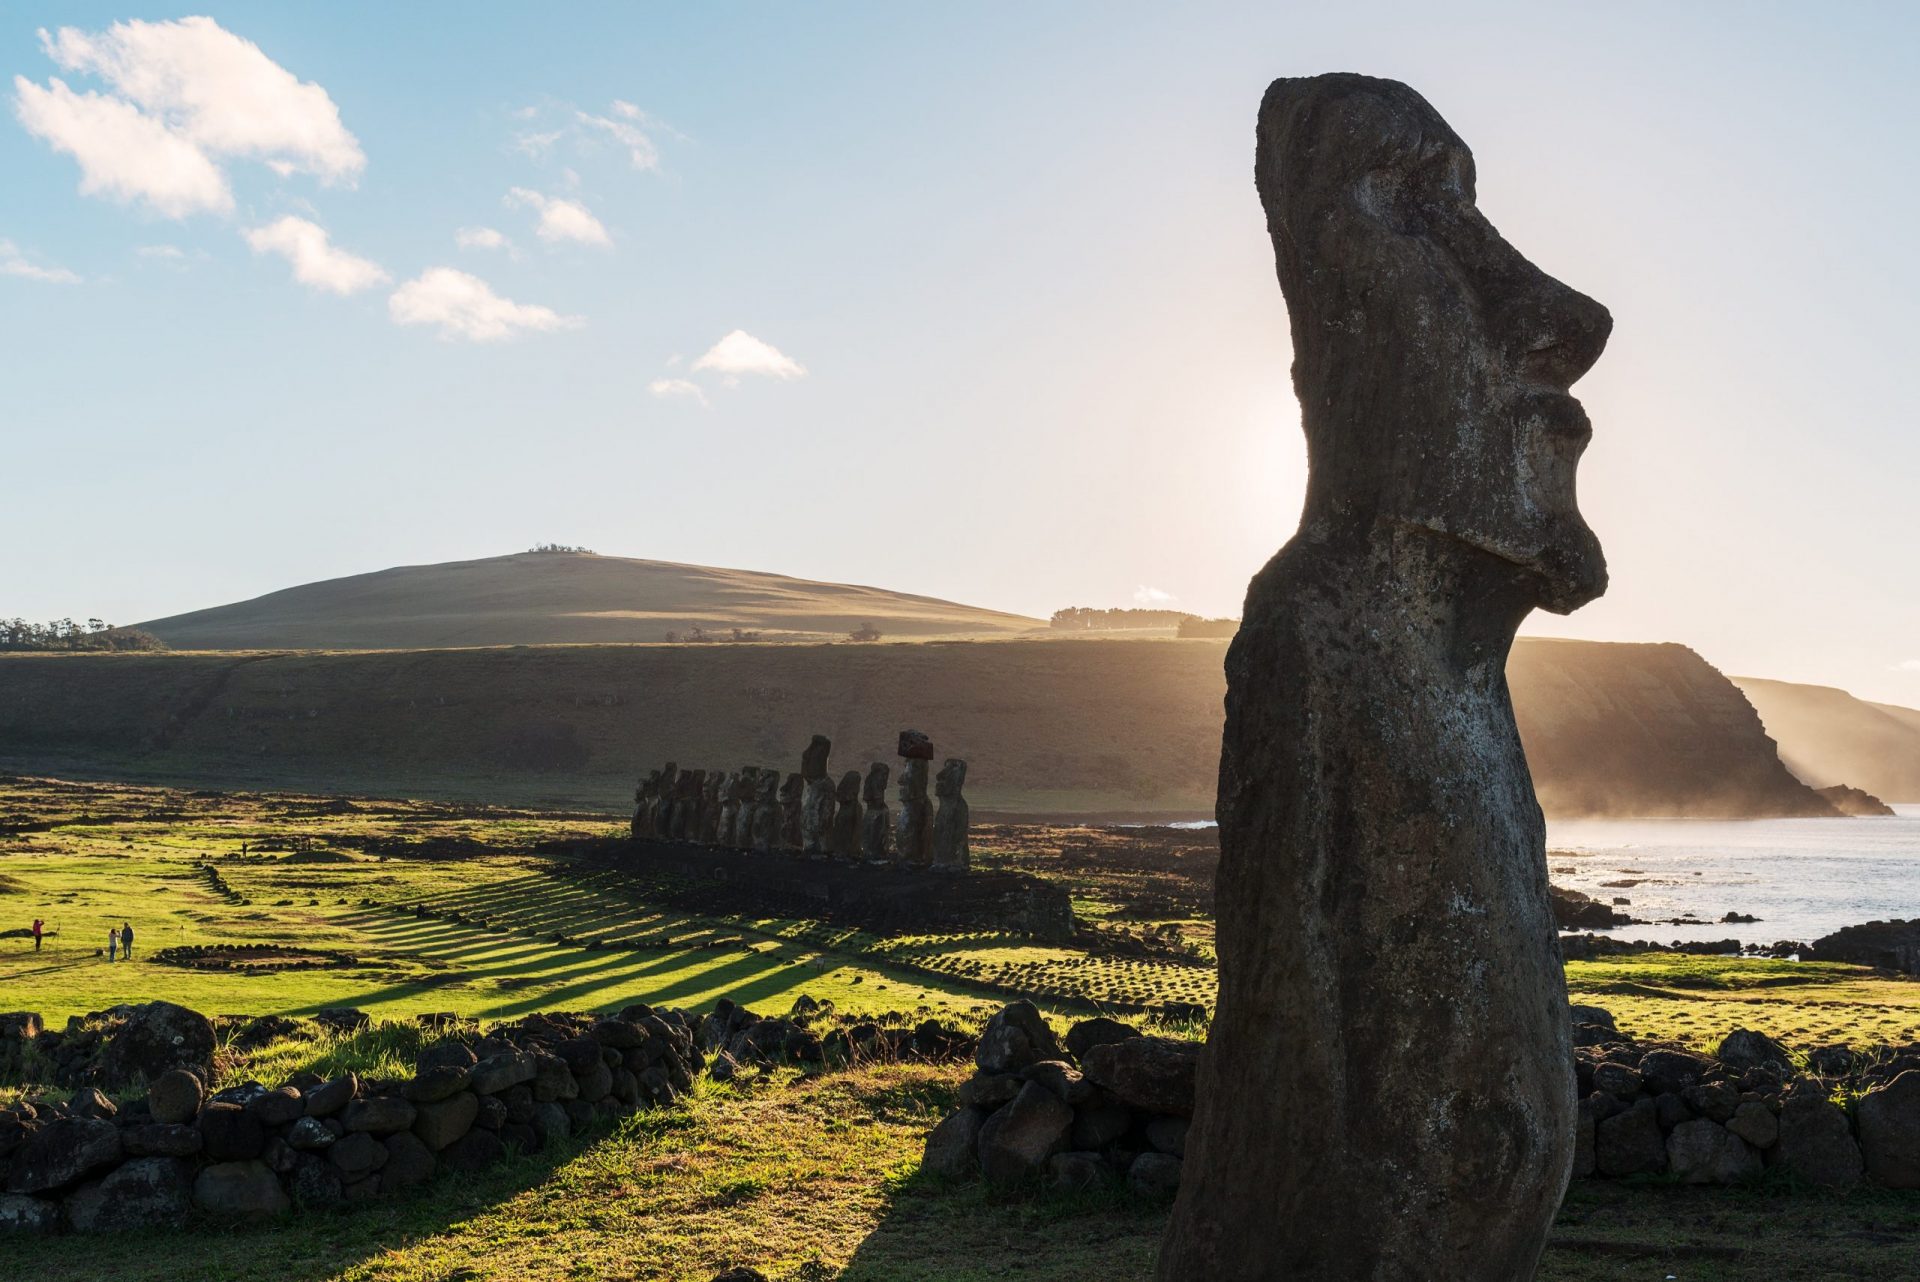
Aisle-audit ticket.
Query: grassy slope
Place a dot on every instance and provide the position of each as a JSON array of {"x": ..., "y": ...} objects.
[
  {"x": 561, "y": 599},
  {"x": 1049, "y": 726},
  {"x": 1827, "y": 736}
]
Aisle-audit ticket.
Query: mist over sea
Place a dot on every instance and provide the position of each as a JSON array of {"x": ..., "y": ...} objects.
[{"x": 1803, "y": 878}]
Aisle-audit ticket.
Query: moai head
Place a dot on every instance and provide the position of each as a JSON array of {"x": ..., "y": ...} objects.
[
  {"x": 849, "y": 790},
  {"x": 743, "y": 783},
  {"x": 915, "y": 746},
  {"x": 792, "y": 787},
  {"x": 669, "y": 777},
  {"x": 1431, "y": 359},
  {"x": 649, "y": 786},
  {"x": 690, "y": 784},
  {"x": 813, "y": 762},
  {"x": 767, "y": 787},
  {"x": 715, "y": 788},
  {"x": 875, "y": 791},
  {"x": 951, "y": 779}
]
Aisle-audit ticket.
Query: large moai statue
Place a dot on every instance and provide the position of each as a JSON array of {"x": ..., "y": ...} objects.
[
  {"x": 662, "y": 820},
  {"x": 726, "y": 809},
  {"x": 643, "y": 798},
  {"x": 817, "y": 799},
  {"x": 950, "y": 846},
  {"x": 712, "y": 795},
  {"x": 686, "y": 804},
  {"x": 913, "y": 829},
  {"x": 844, "y": 841},
  {"x": 876, "y": 833},
  {"x": 1385, "y": 1093},
  {"x": 746, "y": 791},
  {"x": 792, "y": 791},
  {"x": 767, "y": 814}
]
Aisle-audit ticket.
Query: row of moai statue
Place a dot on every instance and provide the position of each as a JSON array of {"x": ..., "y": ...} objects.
[{"x": 755, "y": 808}]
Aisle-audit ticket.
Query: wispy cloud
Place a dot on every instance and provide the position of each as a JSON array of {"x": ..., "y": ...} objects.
[
  {"x": 316, "y": 260},
  {"x": 623, "y": 124},
  {"x": 170, "y": 252},
  {"x": 15, "y": 263},
  {"x": 741, "y": 353},
  {"x": 481, "y": 238},
  {"x": 1907, "y": 665},
  {"x": 184, "y": 95},
  {"x": 1152, "y": 597},
  {"x": 561, "y": 219},
  {"x": 668, "y": 389},
  {"x": 464, "y": 306}
]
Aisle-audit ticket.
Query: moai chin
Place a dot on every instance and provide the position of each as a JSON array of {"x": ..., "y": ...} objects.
[
  {"x": 846, "y": 817},
  {"x": 876, "y": 837},
  {"x": 1385, "y": 1092},
  {"x": 817, "y": 799},
  {"x": 913, "y": 829},
  {"x": 951, "y": 848},
  {"x": 767, "y": 814}
]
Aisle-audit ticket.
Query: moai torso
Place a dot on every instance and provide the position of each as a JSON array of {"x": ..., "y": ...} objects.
[
  {"x": 913, "y": 829},
  {"x": 876, "y": 840},
  {"x": 950, "y": 845},
  {"x": 817, "y": 799},
  {"x": 792, "y": 790},
  {"x": 845, "y": 840},
  {"x": 766, "y": 811}
]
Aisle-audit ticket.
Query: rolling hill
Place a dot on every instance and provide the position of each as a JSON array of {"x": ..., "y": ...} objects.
[
  {"x": 1827, "y": 736},
  {"x": 563, "y": 598}
]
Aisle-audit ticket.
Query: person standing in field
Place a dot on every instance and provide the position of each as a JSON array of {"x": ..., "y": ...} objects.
[
  {"x": 113, "y": 943},
  {"x": 38, "y": 926},
  {"x": 126, "y": 941}
]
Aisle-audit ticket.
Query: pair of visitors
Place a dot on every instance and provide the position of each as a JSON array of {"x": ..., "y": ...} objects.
[
  {"x": 120, "y": 940},
  {"x": 38, "y": 926}
]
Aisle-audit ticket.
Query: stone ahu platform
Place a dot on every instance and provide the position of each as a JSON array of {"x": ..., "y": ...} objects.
[{"x": 889, "y": 897}]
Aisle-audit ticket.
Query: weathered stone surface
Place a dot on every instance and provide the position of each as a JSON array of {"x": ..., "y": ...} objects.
[
  {"x": 1015, "y": 1036},
  {"x": 1151, "y": 1073},
  {"x": 409, "y": 1162},
  {"x": 1078, "y": 1172},
  {"x": 146, "y": 1193},
  {"x": 951, "y": 847},
  {"x": 1169, "y": 1135},
  {"x": 1890, "y": 1131},
  {"x": 1815, "y": 1143},
  {"x": 1154, "y": 1175},
  {"x": 239, "y": 1190},
  {"x": 988, "y": 1090},
  {"x": 155, "y": 1038},
  {"x": 913, "y": 826},
  {"x": 61, "y": 1152},
  {"x": 332, "y": 1097},
  {"x": 1705, "y": 1152},
  {"x": 952, "y": 1150},
  {"x": 380, "y": 1115},
  {"x": 1060, "y": 1077},
  {"x": 1387, "y": 959},
  {"x": 792, "y": 796},
  {"x": 474, "y": 1151},
  {"x": 442, "y": 1122},
  {"x": 847, "y": 816},
  {"x": 277, "y": 1108},
  {"x": 1099, "y": 1124},
  {"x": 876, "y": 841},
  {"x": 27, "y": 1215},
  {"x": 1098, "y": 1031},
  {"x": 497, "y": 1073},
  {"x": 1671, "y": 1072},
  {"x": 1630, "y": 1143},
  {"x": 175, "y": 1096},
  {"x": 1755, "y": 1123},
  {"x": 310, "y": 1135},
  {"x": 314, "y": 1182},
  {"x": 767, "y": 816},
  {"x": 1744, "y": 1049},
  {"x": 437, "y": 1083},
  {"x": 1616, "y": 1080},
  {"x": 357, "y": 1153},
  {"x": 1016, "y": 1141},
  {"x": 91, "y": 1101},
  {"x": 161, "y": 1139}
]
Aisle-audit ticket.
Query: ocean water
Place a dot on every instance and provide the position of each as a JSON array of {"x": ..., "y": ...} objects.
[{"x": 1803, "y": 878}]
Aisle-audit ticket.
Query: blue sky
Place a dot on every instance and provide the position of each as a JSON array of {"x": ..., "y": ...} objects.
[{"x": 1008, "y": 325}]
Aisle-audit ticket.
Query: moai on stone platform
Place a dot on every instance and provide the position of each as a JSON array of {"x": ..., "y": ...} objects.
[
  {"x": 792, "y": 790},
  {"x": 845, "y": 838},
  {"x": 686, "y": 803},
  {"x": 913, "y": 829},
  {"x": 727, "y": 811},
  {"x": 711, "y": 797},
  {"x": 817, "y": 799},
  {"x": 767, "y": 815},
  {"x": 643, "y": 796},
  {"x": 1384, "y": 1093},
  {"x": 876, "y": 833},
  {"x": 662, "y": 810},
  {"x": 950, "y": 846},
  {"x": 746, "y": 791}
]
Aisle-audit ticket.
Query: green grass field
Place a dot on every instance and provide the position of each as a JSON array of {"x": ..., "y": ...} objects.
[{"x": 442, "y": 908}]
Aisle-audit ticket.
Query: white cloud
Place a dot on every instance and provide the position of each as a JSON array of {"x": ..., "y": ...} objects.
[
  {"x": 561, "y": 219},
  {"x": 481, "y": 238},
  {"x": 1152, "y": 597},
  {"x": 742, "y": 353},
  {"x": 677, "y": 388},
  {"x": 1907, "y": 665},
  {"x": 642, "y": 152},
  {"x": 185, "y": 95},
  {"x": 219, "y": 90},
  {"x": 14, "y": 263},
  {"x": 316, "y": 260},
  {"x": 123, "y": 153},
  {"x": 161, "y": 251},
  {"x": 464, "y": 306}
]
